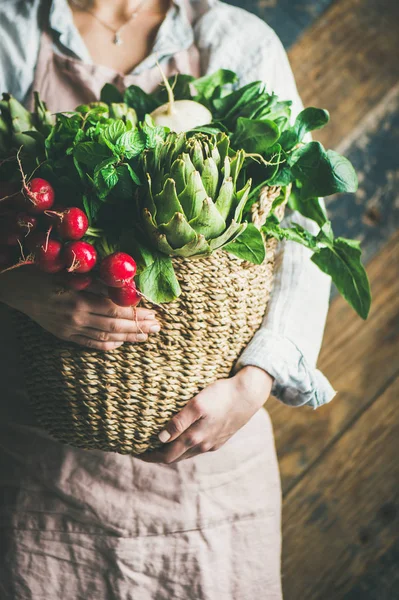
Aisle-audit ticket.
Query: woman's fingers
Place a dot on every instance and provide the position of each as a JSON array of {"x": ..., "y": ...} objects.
[
  {"x": 192, "y": 412},
  {"x": 87, "y": 342},
  {"x": 104, "y": 336},
  {"x": 98, "y": 305},
  {"x": 120, "y": 326}
]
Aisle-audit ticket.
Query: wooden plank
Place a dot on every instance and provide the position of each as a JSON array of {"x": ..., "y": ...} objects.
[
  {"x": 358, "y": 357},
  {"x": 372, "y": 214},
  {"x": 381, "y": 582},
  {"x": 347, "y": 61},
  {"x": 289, "y": 18},
  {"x": 343, "y": 517}
]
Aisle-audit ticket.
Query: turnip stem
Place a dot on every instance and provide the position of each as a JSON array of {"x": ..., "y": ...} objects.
[{"x": 171, "y": 98}]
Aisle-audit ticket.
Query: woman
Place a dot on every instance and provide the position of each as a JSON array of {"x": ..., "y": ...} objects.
[{"x": 185, "y": 521}]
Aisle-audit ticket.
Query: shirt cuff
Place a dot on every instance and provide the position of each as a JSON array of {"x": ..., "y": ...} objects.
[{"x": 296, "y": 383}]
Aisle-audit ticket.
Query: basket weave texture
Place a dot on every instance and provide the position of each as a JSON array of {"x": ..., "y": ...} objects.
[{"x": 119, "y": 401}]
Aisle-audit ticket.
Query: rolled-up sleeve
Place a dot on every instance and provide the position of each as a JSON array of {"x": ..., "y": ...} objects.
[{"x": 288, "y": 343}]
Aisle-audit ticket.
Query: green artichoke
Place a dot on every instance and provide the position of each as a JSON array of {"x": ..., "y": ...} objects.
[{"x": 192, "y": 206}]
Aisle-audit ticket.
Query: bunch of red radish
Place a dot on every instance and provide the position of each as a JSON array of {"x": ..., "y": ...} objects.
[{"x": 31, "y": 225}]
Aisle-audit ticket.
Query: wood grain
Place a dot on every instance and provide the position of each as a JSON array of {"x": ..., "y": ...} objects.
[
  {"x": 347, "y": 61},
  {"x": 358, "y": 357},
  {"x": 289, "y": 18},
  {"x": 372, "y": 214},
  {"x": 343, "y": 517}
]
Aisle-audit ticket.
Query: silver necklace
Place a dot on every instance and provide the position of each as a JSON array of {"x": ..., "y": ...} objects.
[{"x": 117, "y": 40}]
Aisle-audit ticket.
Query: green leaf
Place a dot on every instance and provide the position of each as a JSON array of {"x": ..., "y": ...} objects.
[
  {"x": 138, "y": 99},
  {"x": 312, "y": 208},
  {"x": 105, "y": 177},
  {"x": 114, "y": 131},
  {"x": 255, "y": 137},
  {"x": 294, "y": 233},
  {"x": 132, "y": 174},
  {"x": 342, "y": 262},
  {"x": 110, "y": 94},
  {"x": 131, "y": 144},
  {"x": 207, "y": 85},
  {"x": 158, "y": 282},
  {"x": 249, "y": 245},
  {"x": 308, "y": 120},
  {"x": 322, "y": 173},
  {"x": 154, "y": 135},
  {"x": 91, "y": 208},
  {"x": 91, "y": 153},
  {"x": 110, "y": 176}
]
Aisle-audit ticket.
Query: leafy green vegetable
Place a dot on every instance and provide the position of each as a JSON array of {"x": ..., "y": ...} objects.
[
  {"x": 342, "y": 262},
  {"x": 158, "y": 281},
  {"x": 210, "y": 85},
  {"x": 321, "y": 173},
  {"x": 90, "y": 153},
  {"x": 308, "y": 120},
  {"x": 249, "y": 245},
  {"x": 142, "y": 102},
  {"x": 255, "y": 136}
]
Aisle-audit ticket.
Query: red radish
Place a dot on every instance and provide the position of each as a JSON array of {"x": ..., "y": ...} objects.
[
  {"x": 49, "y": 257},
  {"x": 40, "y": 196},
  {"x": 77, "y": 282},
  {"x": 117, "y": 269},
  {"x": 6, "y": 257},
  {"x": 128, "y": 295},
  {"x": 80, "y": 257},
  {"x": 72, "y": 224}
]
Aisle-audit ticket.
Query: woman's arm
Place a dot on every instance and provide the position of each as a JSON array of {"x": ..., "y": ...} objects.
[{"x": 288, "y": 342}]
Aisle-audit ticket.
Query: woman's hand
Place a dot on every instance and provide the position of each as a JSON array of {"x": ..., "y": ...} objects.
[
  {"x": 86, "y": 318},
  {"x": 213, "y": 416}
]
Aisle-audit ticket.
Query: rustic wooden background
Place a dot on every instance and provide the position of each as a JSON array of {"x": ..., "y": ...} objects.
[{"x": 339, "y": 464}]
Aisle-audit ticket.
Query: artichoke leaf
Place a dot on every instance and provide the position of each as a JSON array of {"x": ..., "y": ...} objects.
[
  {"x": 194, "y": 248},
  {"x": 241, "y": 199},
  {"x": 149, "y": 199},
  {"x": 231, "y": 233},
  {"x": 177, "y": 173},
  {"x": 209, "y": 222},
  {"x": 222, "y": 145},
  {"x": 193, "y": 196},
  {"x": 178, "y": 232},
  {"x": 236, "y": 165},
  {"x": 210, "y": 177},
  {"x": 188, "y": 166},
  {"x": 227, "y": 168},
  {"x": 150, "y": 224},
  {"x": 197, "y": 156},
  {"x": 167, "y": 202},
  {"x": 162, "y": 244},
  {"x": 224, "y": 202}
]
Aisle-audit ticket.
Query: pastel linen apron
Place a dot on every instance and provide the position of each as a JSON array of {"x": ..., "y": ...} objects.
[{"x": 78, "y": 524}]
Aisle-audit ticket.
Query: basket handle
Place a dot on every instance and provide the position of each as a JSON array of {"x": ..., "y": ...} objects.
[{"x": 260, "y": 210}]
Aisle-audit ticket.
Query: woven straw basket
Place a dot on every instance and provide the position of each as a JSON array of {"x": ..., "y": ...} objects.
[{"x": 119, "y": 401}]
